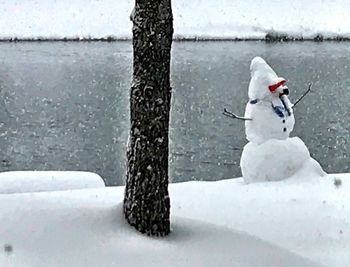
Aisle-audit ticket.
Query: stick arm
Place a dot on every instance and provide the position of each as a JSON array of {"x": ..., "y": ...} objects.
[
  {"x": 234, "y": 116},
  {"x": 303, "y": 95}
]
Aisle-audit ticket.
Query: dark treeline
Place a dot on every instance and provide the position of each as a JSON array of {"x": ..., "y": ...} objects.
[{"x": 269, "y": 37}]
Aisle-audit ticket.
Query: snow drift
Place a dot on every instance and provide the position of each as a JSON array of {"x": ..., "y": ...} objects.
[
  {"x": 260, "y": 224},
  {"x": 87, "y": 228},
  {"x": 37, "y": 181}
]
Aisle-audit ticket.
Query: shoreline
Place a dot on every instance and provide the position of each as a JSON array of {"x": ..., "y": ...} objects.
[{"x": 109, "y": 39}]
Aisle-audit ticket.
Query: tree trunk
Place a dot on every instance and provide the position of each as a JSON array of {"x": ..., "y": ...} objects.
[{"x": 146, "y": 202}]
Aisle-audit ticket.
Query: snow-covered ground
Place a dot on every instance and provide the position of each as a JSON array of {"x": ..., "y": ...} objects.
[
  {"x": 38, "y": 181},
  {"x": 87, "y": 228},
  {"x": 224, "y": 223},
  {"x": 308, "y": 216},
  {"x": 197, "y": 18}
]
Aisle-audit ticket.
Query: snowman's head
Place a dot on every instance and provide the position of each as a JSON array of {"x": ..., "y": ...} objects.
[
  {"x": 278, "y": 87},
  {"x": 264, "y": 83}
]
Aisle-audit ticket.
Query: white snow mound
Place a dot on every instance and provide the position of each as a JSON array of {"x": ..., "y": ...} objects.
[
  {"x": 276, "y": 160},
  {"x": 87, "y": 228},
  {"x": 37, "y": 181},
  {"x": 307, "y": 215}
]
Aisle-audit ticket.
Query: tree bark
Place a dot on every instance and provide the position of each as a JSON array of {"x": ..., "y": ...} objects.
[{"x": 146, "y": 202}]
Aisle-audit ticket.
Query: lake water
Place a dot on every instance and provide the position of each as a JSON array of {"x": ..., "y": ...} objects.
[{"x": 64, "y": 106}]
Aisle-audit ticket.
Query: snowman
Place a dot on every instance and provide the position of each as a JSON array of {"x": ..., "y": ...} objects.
[
  {"x": 268, "y": 106},
  {"x": 270, "y": 154}
]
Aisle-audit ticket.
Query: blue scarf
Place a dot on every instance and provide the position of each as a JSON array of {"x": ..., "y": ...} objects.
[{"x": 279, "y": 110}]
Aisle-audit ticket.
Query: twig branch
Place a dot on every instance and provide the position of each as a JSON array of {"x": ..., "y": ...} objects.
[
  {"x": 234, "y": 116},
  {"x": 307, "y": 91}
]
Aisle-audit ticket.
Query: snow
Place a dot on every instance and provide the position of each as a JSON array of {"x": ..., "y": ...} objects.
[
  {"x": 36, "y": 181},
  {"x": 192, "y": 19},
  {"x": 262, "y": 76},
  {"x": 265, "y": 124},
  {"x": 270, "y": 154},
  {"x": 276, "y": 160},
  {"x": 307, "y": 215},
  {"x": 87, "y": 228},
  {"x": 224, "y": 223}
]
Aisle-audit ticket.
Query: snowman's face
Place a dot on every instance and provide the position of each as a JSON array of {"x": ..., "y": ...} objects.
[{"x": 282, "y": 90}]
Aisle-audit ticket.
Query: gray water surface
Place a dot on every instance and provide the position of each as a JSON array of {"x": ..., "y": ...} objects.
[{"x": 64, "y": 106}]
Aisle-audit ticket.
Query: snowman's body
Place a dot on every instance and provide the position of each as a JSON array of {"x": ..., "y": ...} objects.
[
  {"x": 270, "y": 154},
  {"x": 269, "y": 121}
]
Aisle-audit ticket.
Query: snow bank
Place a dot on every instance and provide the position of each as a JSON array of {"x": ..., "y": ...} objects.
[
  {"x": 36, "y": 181},
  {"x": 306, "y": 215},
  {"x": 254, "y": 19},
  {"x": 197, "y": 18},
  {"x": 87, "y": 228}
]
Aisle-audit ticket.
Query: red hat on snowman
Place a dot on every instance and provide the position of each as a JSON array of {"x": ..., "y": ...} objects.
[{"x": 274, "y": 86}]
